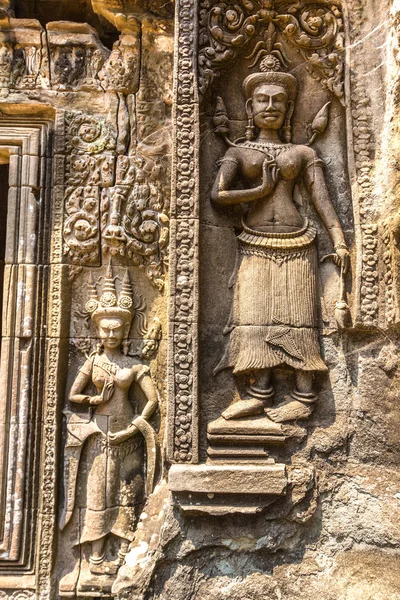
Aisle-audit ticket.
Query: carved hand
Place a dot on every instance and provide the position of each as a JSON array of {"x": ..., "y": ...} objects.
[
  {"x": 342, "y": 259},
  {"x": 96, "y": 400},
  {"x": 270, "y": 175},
  {"x": 107, "y": 391},
  {"x": 125, "y": 434},
  {"x": 105, "y": 395}
]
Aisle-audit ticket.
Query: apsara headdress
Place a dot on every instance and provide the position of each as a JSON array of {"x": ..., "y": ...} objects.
[
  {"x": 271, "y": 72},
  {"x": 111, "y": 304}
]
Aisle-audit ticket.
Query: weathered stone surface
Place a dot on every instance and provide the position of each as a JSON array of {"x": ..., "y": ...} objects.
[
  {"x": 200, "y": 297},
  {"x": 228, "y": 479}
]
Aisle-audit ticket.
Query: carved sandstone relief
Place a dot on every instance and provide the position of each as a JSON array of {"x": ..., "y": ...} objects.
[
  {"x": 116, "y": 205},
  {"x": 290, "y": 286},
  {"x": 76, "y": 56},
  {"x": 275, "y": 313},
  {"x": 284, "y": 265},
  {"x": 107, "y": 164},
  {"x": 104, "y": 461}
]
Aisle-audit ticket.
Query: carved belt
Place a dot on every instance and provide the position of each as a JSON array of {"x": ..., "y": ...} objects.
[{"x": 280, "y": 242}]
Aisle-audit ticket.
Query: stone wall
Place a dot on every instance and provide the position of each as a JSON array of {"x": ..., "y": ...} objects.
[{"x": 201, "y": 300}]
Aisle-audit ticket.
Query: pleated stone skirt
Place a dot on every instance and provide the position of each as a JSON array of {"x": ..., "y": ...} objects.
[{"x": 275, "y": 309}]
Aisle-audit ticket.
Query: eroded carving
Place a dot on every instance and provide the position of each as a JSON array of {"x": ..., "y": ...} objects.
[
  {"x": 76, "y": 56},
  {"x": 23, "y": 56},
  {"x": 86, "y": 134},
  {"x": 121, "y": 71}
]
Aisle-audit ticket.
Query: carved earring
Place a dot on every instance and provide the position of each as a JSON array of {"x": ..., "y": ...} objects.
[
  {"x": 250, "y": 129},
  {"x": 287, "y": 132},
  {"x": 99, "y": 348},
  {"x": 287, "y": 128},
  {"x": 125, "y": 347}
]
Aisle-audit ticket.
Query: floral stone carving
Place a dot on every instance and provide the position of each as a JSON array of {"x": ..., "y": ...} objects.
[
  {"x": 86, "y": 134},
  {"x": 314, "y": 29},
  {"x": 119, "y": 203}
]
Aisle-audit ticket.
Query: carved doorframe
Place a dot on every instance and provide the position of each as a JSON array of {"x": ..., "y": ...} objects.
[{"x": 26, "y": 144}]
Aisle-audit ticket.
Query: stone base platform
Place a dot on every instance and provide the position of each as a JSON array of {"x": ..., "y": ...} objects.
[
  {"x": 225, "y": 489},
  {"x": 243, "y": 440}
]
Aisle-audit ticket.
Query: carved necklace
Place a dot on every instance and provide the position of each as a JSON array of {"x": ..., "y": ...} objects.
[
  {"x": 105, "y": 365},
  {"x": 267, "y": 148}
]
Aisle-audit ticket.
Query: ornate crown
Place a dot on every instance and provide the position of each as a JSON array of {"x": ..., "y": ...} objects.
[
  {"x": 110, "y": 304},
  {"x": 270, "y": 72}
]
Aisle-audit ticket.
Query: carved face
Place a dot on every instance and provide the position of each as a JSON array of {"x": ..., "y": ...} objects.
[
  {"x": 148, "y": 230},
  {"x": 111, "y": 331},
  {"x": 82, "y": 230},
  {"x": 269, "y": 105},
  {"x": 88, "y": 132}
]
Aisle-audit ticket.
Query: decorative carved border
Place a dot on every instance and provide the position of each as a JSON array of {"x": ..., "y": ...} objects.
[
  {"x": 184, "y": 277},
  {"x": 361, "y": 137},
  {"x": 54, "y": 377},
  {"x": 26, "y": 138}
]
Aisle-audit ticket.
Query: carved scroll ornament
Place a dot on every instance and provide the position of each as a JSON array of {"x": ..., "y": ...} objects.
[
  {"x": 118, "y": 204},
  {"x": 313, "y": 28}
]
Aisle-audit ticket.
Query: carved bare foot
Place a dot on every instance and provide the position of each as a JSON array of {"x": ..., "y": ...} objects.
[
  {"x": 105, "y": 567},
  {"x": 290, "y": 410},
  {"x": 244, "y": 408},
  {"x": 68, "y": 583}
]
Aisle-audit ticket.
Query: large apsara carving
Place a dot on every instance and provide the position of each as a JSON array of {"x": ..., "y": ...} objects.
[{"x": 277, "y": 248}]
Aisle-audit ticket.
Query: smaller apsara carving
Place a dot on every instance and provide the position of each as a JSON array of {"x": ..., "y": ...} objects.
[{"x": 105, "y": 480}]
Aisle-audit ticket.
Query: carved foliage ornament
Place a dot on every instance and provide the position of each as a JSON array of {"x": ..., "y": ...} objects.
[
  {"x": 314, "y": 28},
  {"x": 118, "y": 203},
  {"x": 86, "y": 134}
]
